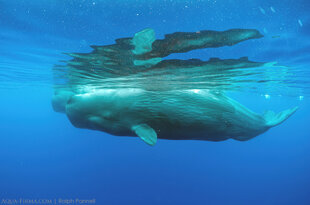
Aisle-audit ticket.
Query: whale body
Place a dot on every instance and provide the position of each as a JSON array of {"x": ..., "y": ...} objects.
[
  {"x": 175, "y": 115},
  {"x": 128, "y": 88}
]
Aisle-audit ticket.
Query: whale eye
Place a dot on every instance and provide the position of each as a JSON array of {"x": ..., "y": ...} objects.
[
  {"x": 227, "y": 123},
  {"x": 108, "y": 116}
]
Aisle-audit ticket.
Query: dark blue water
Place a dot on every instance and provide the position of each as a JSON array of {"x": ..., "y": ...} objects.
[{"x": 42, "y": 156}]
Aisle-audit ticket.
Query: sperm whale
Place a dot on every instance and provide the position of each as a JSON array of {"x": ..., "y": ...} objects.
[
  {"x": 175, "y": 115},
  {"x": 128, "y": 89}
]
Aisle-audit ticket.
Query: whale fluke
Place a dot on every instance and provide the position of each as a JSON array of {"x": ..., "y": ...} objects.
[{"x": 272, "y": 119}]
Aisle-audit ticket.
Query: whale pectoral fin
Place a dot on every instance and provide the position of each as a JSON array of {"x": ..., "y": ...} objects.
[
  {"x": 143, "y": 41},
  {"x": 146, "y": 133}
]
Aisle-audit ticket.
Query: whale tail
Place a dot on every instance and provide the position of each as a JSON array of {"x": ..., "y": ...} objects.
[{"x": 272, "y": 119}]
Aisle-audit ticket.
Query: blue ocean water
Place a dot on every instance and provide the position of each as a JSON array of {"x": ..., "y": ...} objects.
[{"x": 42, "y": 156}]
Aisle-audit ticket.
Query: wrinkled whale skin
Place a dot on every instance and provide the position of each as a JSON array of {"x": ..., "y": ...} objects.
[{"x": 175, "y": 115}]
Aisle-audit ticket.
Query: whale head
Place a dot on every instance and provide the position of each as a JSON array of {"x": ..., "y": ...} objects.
[{"x": 109, "y": 110}]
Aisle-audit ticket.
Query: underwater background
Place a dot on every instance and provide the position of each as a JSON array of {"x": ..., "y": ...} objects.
[{"x": 42, "y": 156}]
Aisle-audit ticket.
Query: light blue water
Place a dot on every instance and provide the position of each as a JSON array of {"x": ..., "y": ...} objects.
[{"x": 42, "y": 156}]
